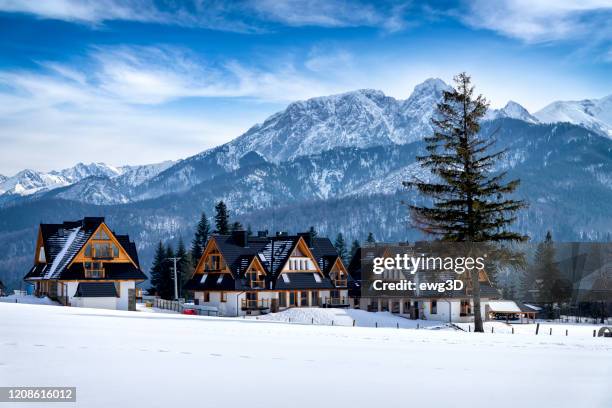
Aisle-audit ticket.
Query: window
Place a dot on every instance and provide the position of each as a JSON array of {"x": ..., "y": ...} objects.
[
  {"x": 292, "y": 299},
  {"x": 206, "y": 297},
  {"x": 384, "y": 305},
  {"x": 215, "y": 262},
  {"x": 101, "y": 235},
  {"x": 314, "y": 298},
  {"x": 434, "y": 307},
  {"x": 93, "y": 269},
  {"x": 223, "y": 297},
  {"x": 304, "y": 299},
  {"x": 466, "y": 308},
  {"x": 282, "y": 299}
]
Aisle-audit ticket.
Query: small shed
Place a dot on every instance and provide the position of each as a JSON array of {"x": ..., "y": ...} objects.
[{"x": 510, "y": 310}]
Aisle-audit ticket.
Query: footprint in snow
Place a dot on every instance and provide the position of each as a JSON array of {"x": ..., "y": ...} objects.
[{"x": 216, "y": 355}]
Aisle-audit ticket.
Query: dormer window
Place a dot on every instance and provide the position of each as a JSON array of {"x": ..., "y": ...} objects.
[
  {"x": 41, "y": 255},
  {"x": 255, "y": 278}
]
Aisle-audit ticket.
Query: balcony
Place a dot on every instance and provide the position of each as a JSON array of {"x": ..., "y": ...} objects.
[
  {"x": 335, "y": 302},
  {"x": 253, "y": 304},
  {"x": 257, "y": 283},
  {"x": 340, "y": 283}
]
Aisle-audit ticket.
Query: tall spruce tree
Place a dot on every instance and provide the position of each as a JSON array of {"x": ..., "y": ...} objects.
[
  {"x": 200, "y": 239},
  {"x": 340, "y": 245},
  {"x": 221, "y": 219},
  {"x": 469, "y": 201},
  {"x": 548, "y": 285},
  {"x": 183, "y": 265},
  {"x": 157, "y": 268},
  {"x": 167, "y": 287}
]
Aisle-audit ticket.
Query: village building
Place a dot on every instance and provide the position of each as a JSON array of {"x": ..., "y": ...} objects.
[
  {"x": 84, "y": 263},
  {"x": 454, "y": 306},
  {"x": 248, "y": 275}
]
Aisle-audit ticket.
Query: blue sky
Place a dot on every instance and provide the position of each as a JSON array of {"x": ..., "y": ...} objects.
[{"x": 138, "y": 81}]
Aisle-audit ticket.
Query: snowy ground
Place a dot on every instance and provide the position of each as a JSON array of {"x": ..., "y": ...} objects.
[
  {"x": 558, "y": 329},
  {"x": 346, "y": 317},
  {"x": 28, "y": 299},
  {"x": 133, "y": 359}
]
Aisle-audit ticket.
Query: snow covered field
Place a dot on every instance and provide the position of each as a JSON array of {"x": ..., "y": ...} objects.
[
  {"x": 345, "y": 317},
  {"x": 135, "y": 359}
]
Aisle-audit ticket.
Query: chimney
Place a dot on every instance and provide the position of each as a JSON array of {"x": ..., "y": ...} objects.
[
  {"x": 240, "y": 238},
  {"x": 282, "y": 233},
  {"x": 262, "y": 234}
]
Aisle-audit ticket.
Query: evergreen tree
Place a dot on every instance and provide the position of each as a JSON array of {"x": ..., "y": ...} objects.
[
  {"x": 370, "y": 239},
  {"x": 354, "y": 248},
  {"x": 200, "y": 239},
  {"x": 221, "y": 219},
  {"x": 157, "y": 269},
  {"x": 167, "y": 286},
  {"x": 547, "y": 283},
  {"x": 340, "y": 245},
  {"x": 236, "y": 226},
  {"x": 469, "y": 203},
  {"x": 183, "y": 265}
]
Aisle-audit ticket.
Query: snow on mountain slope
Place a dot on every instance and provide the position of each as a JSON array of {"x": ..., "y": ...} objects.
[
  {"x": 28, "y": 182},
  {"x": 593, "y": 114},
  {"x": 512, "y": 110},
  {"x": 136, "y": 175},
  {"x": 362, "y": 118}
]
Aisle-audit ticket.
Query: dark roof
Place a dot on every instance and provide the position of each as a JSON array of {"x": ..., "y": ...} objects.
[
  {"x": 96, "y": 289},
  {"x": 62, "y": 242},
  {"x": 238, "y": 252},
  {"x": 303, "y": 280}
]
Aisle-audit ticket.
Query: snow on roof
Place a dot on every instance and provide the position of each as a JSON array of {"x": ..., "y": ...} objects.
[
  {"x": 503, "y": 306},
  {"x": 534, "y": 308}
]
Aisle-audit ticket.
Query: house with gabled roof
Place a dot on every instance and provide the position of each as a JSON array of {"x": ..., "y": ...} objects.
[
  {"x": 84, "y": 263},
  {"x": 248, "y": 275},
  {"x": 455, "y": 305}
]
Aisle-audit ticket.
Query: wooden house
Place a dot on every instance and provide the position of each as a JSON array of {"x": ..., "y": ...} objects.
[
  {"x": 84, "y": 263},
  {"x": 242, "y": 275}
]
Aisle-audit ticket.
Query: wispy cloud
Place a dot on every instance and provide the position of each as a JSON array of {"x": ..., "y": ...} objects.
[
  {"x": 333, "y": 13},
  {"x": 240, "y": 16},
  {"x": 123, "y": 96},
  {"x": 537, "y": 21}
]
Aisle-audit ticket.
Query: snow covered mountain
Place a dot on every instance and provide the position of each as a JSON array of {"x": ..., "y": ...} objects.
[
  {"x": 362, "y": 118},
  {"x": 593, "y": 114},
  {"x": 29, "y": 182},
  {"x": 512, "y": 110}
]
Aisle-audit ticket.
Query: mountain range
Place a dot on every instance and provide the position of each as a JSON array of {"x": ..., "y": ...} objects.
[{"x": 333, "y": 162}]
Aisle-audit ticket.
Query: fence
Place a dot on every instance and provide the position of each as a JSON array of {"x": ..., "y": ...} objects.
[{"x": 179, "y": 307}]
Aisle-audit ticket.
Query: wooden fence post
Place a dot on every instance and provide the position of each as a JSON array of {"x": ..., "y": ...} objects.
[
  {"x": 565, "y": 332},
  {"x": 513, "y": 330},
  {"x": 537, "y": 328},
  {"x": 550, "y": 334},
  {"x": 353, "y": 323}
]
